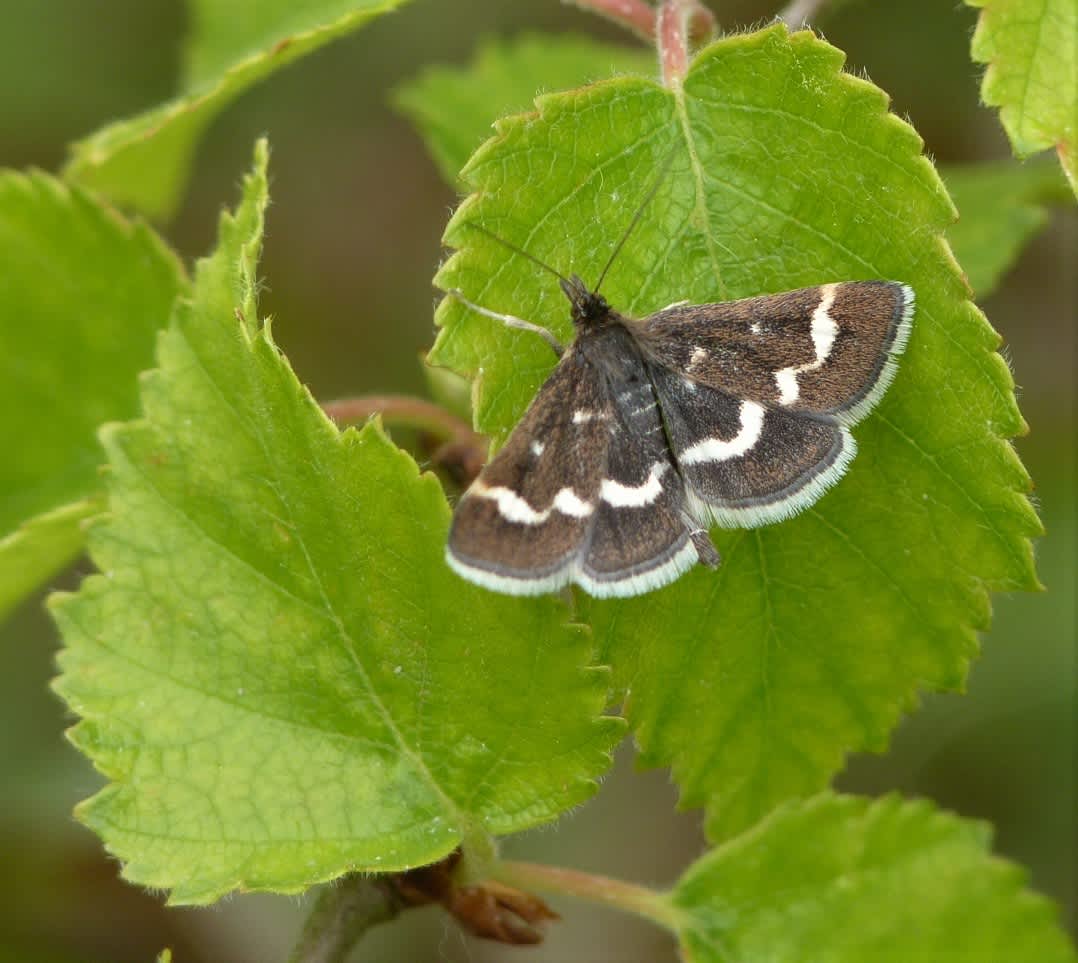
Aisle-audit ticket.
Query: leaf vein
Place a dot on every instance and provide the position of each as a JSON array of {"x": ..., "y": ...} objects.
[{"x": 701, "y": 207}]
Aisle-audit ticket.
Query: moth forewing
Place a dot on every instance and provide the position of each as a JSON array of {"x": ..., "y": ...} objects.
[
  {"x": 519, "y": 526},
  {"x": 829, "y": 349}
]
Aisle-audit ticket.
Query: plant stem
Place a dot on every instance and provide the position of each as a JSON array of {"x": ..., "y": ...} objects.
[
  {"x": 634, "y": 15},
  {"x": 672, "y": 36},
  {"x": 401, "y": 410},
  {"x": 479, "y": 856},
  {"x": 702, "y": 24},
  {"x": 639, "y": 17},
  {"x": 344, "y": 911},
  {"x": 616, "y": 893},
  {"x": 463, "y": 452},
  {"x": 798, "y": 13}
]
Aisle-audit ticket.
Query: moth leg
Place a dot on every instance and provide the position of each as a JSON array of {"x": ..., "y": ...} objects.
[
  {"x": 705, "y": 549},
  {"x": 510, "y": 321}
]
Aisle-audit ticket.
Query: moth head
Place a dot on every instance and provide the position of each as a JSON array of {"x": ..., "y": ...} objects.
[{"x": 589, "y": 308}]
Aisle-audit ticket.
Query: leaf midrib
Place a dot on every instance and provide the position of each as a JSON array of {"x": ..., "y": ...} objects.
[{"x": 700, "y": 206}]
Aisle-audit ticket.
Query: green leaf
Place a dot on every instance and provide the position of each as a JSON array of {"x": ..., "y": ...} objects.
[
  {"x": 841, "y": 879},
  {"x": 83, "y": 293},
  {"x": 1001, "y": 207},
  {"x": 143, "y": 161},
  {"x": 276, "y": 670},
  {"x": 1032, "y": 73},
  {"x": 449, "y": 390},
  {"x": 39, "y": 548},
  {"x": 453, "y": 108},
  {"x": 753, "y": 682}
]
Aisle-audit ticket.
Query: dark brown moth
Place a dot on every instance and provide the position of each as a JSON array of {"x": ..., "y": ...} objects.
[{"x": 649, "y": 431}]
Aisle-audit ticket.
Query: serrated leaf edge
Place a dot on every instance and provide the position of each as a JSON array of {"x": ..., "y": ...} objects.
[
  {"x": 470, "y": 832},
  {"x": 1003, "y": 380}
]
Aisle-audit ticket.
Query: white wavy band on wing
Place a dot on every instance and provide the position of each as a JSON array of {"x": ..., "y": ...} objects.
[
  {"x": 751, "y": 416},
  {"x": 634, "y": 496},
  {"x": 823, "y": 331},
  {"x": 513, "y": 508}
]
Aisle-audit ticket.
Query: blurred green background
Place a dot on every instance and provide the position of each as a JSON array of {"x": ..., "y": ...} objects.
[{"x": 352, "y": 243}]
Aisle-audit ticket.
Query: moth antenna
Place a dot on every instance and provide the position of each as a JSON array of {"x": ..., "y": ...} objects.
[
  {"x": 510, "y": 321},
  {"x": 653, "y": 190},
  {"x": 517, "y": 250}
]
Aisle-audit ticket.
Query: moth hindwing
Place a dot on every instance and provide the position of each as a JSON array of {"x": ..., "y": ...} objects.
[{"x": 736, "y": 414}]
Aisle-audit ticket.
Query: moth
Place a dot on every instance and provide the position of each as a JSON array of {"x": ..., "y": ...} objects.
[{"x": 649, "y": 431}]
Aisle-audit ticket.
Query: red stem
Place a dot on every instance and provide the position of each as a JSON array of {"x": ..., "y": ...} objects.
[
  {"x": 402, "y": 410},
  {"x": 634, "y": 15},
  {"x": 463, "y": 452},
  {"x": 673, "y": 40},
  {"x": 702, "y": 24},
  {"x": 640, "y": 17}
]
